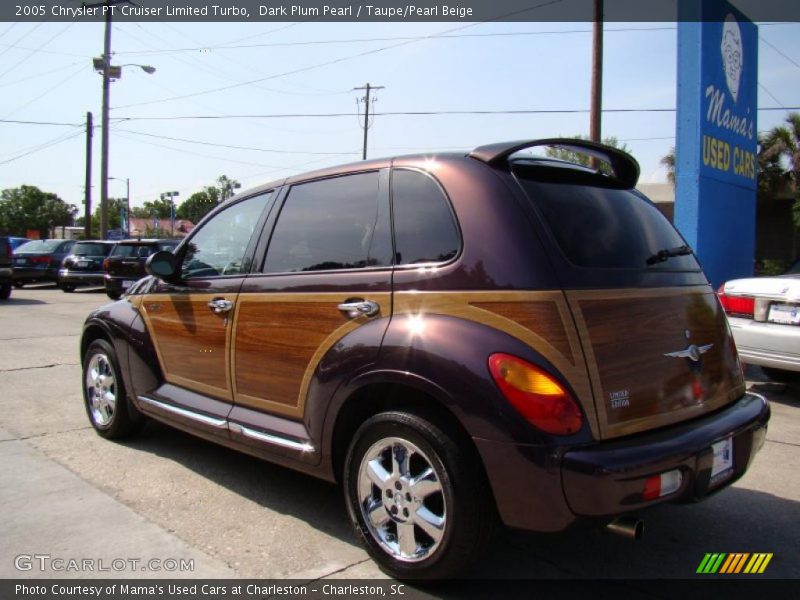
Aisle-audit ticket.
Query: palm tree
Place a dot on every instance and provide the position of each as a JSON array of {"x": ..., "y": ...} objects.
[
  {"x": 668, "y": 161},
  {"x": 779, "y": 161}
]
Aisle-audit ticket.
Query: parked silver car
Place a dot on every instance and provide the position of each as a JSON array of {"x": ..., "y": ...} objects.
[{"x": 764, "y": 315}]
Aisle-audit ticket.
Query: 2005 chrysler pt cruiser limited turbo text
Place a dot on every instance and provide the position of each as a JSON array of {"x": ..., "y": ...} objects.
[{"x": 460, "y": 340}]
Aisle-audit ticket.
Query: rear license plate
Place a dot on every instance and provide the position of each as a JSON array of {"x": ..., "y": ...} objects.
[
  {"x": 787, "y": 314},
  {"x": 126, "y": 283},
  {"x": 83, "y": 263},
  {"x": 722, "y": 467},
  {"x": 20, "y": 261}
]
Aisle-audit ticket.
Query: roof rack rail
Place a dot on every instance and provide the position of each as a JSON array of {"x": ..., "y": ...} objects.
[{"x": 626, "y": 169}]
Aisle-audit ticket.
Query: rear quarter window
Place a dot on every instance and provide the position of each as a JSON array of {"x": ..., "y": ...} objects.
[{"x": 424, "y": 227}]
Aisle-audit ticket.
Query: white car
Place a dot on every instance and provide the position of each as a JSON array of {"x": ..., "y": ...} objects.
[{"x": 764, "y": 315}]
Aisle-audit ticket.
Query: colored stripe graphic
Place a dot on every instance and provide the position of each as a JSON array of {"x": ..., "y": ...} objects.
[{"x": 729, "y": 564}]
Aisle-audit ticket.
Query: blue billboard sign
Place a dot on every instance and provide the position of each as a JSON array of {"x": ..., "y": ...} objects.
[
  {"x": 717, "y": 136},
  {"x": 728, "y": 126}
]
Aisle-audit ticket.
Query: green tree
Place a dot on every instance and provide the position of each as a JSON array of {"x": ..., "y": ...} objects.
[
  {"x": 585, "y": 159},
  {"x": 227, "y": 187},
  {"x": 160, "y": 208},
  {"x": 199, "y": 204},
  {"x": 668, "y": 160},
  {"x": 779, "y": 161},
  {"x": 27, "y": 207}
]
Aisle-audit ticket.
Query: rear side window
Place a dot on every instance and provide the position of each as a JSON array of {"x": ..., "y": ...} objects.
[
  {"x": 608, "y": 228},
  {"x": 337, "y": 223},
  {"x": 424, "y": 228},
  {"x": 40, "y": 246},
  {"x": 133, "y": 250}
]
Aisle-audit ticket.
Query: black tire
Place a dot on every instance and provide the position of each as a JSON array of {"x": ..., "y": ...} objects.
[
  {"x": 461, "y": 510},
  {"x": 115, "y": 419},
  {"x": 781, "y": 375},
  {"x": 5, "y": 291},
  {"x": 113, "y": 295},
  {"x": 68, "y": 288},
  {"x": 18, "y": 284}
]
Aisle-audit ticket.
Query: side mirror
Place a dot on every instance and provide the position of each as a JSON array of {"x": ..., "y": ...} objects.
[{"x": 162, "y": 264}]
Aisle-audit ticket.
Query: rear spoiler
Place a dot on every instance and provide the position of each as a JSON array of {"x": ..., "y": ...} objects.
[{"x": 626, "y": 169}]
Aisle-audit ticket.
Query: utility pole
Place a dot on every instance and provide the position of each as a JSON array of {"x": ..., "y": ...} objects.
[
  {"x": 366, "y": 100},
  {"x": 87, "y": 209},
  {"x": 597, "y": 73},
  {"x": 104, "y": 143}
]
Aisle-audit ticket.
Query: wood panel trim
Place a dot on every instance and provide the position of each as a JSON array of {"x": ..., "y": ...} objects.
[
  {"x": 297, "y": 410},
  {"x": 225, "y": 394}
]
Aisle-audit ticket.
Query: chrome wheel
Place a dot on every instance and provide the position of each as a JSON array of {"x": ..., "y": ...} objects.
[
  {"x": 101, "y": 389},
  {"x": 402, "y": 499}
]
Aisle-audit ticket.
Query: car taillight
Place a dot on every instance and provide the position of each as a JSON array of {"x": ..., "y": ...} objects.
[
  {"x": 736, "y": 305},
  {"x": 538, "y": 397},
  {"x": 39, "y": 260},
  {"x": 106, "y": 262}
]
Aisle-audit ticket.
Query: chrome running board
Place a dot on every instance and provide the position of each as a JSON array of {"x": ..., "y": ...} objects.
[{"x": 218, "y": 423}]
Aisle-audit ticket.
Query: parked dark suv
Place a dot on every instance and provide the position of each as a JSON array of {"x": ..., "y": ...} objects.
[
  {"x": 125, "y": 264},
  {"x": 454, "y": 338},
  {"x": 84, "y": 265}
]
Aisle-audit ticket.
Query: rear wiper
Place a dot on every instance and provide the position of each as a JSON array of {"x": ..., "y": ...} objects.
[{"x": 663, "y": 255}]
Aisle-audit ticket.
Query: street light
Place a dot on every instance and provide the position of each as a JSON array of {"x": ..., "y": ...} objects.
[
  {"x": 171, "y": 196},
  {"x": 109, "y": 72},
  {"x": 127, "y": 204}
]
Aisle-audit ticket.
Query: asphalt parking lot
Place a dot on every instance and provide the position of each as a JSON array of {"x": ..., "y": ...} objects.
[{"x": 67, "y": 493}]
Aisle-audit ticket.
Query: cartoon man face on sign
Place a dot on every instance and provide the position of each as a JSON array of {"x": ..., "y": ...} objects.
[{"x": 732, "y": 55}]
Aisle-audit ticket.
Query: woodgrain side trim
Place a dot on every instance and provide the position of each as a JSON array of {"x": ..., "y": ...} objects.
[
  {"x": 473, "y": 306},
  {"x": 197, "y": 305},
  {"x": 298, "y": 330}
]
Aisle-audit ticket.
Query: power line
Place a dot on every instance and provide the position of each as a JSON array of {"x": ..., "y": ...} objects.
[
  {"x": 230, "y": 146},
  {"x": 36, "y": 50},
  {"x": 60, "y": 139},
  {"x": 336, "y": 60},
  {"x": 791, "y": 60},
  {"x": 392, "y": 39},
  {"x": 17, "y": 122},
  {"x": 20, "y": 38},
  {"x": 41, "y": 74},
  {"x": 61, "y": 82}
]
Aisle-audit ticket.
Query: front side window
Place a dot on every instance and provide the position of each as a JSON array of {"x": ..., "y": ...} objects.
[
  {"x": 220, "y": 247},
  {"x": 337, "y": 223}
]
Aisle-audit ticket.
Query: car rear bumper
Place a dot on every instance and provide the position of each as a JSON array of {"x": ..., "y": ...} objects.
[
  {"x": 767, "y": 344},
  {"x": 546, "y": 489},
  {"x": 34, "y": 274},
  {"x": 65, "y": 276}
]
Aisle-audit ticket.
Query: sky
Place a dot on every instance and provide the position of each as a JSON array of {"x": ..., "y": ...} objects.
[{"x": 46, "y": 75}]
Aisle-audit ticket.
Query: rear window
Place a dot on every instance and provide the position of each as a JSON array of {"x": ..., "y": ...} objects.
[
  {"x": 133, "y": 250},
  {"x": 42, "y": 246},
  {"x": 607, "y": 228},
  {"x": 89, "y": 249}
]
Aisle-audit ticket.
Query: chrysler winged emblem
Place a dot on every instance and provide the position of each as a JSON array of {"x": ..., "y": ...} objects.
[{"x": 692, "y": 352}]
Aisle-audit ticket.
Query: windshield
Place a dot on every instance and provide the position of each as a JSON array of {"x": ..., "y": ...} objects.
[
  {"x": 39, "y": 246},
  {"x": 89, "y": 249},
  {"x": 608, "y": 228},
  {"x": 133, "y": 250}
]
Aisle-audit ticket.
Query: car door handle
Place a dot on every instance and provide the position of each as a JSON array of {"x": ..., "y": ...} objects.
[
  {"x": 220, "y": 305},
  {"x": 357, "y": 308}
]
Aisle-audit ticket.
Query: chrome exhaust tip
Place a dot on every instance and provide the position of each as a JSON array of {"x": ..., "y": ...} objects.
[{"x": 629, "y": 527}]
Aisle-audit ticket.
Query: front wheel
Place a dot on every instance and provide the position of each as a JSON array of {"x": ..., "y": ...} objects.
[
  {"x": 417, "y": 505},
  {"x": 68, "y": 287},
  {"x": 18, "y": 285},
  {"x": 107, "y": 405},
  {"x": 5, "y": 291},
  {"x": 113, "y": 295}
]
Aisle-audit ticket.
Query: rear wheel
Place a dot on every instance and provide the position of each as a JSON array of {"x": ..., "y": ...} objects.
[
  {"x": 18, "y": 284},
  {"x": 107, "y": 405},
  {"x": 113, "y": 295},
  {"x": 5, "y": 291},
  {"x": 69, "y": 288},
  {"x": 418, "y": 507}
]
